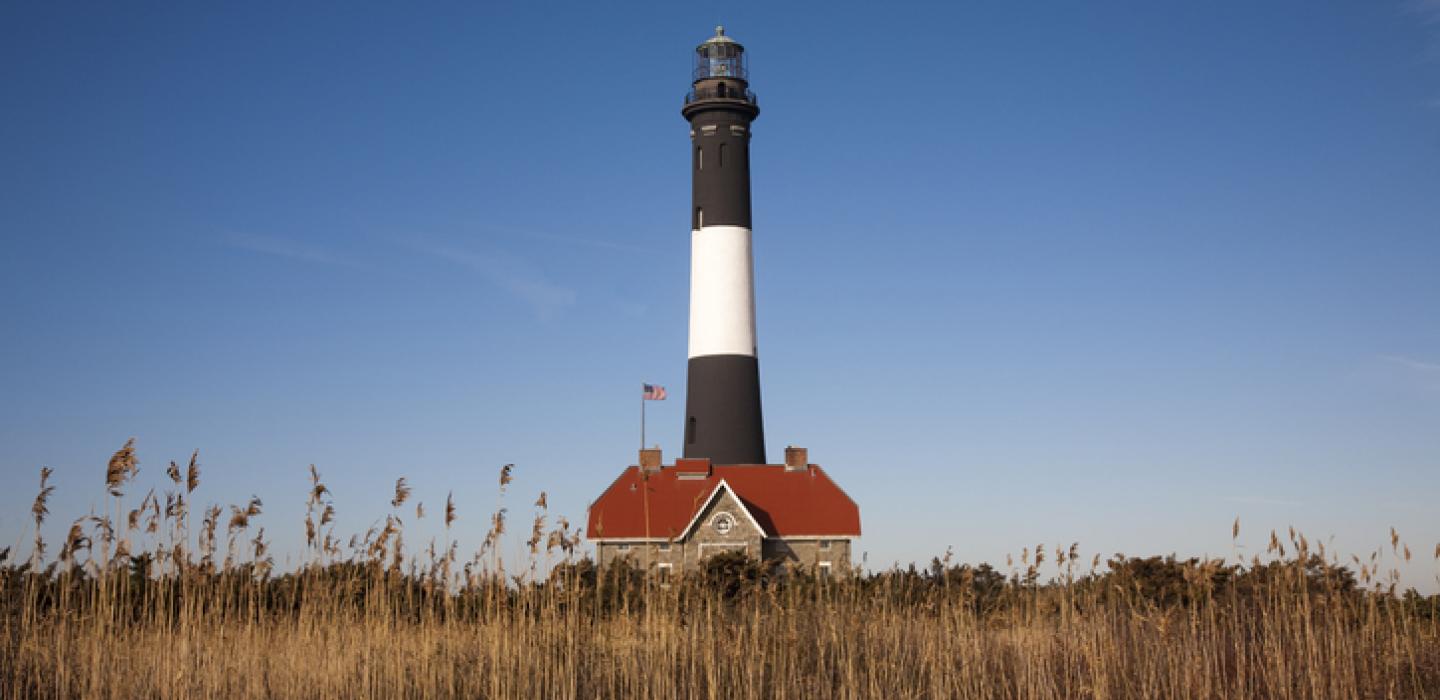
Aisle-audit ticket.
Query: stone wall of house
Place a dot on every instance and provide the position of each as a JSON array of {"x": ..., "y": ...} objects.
[
  {"x": 687, "y": 555},
  {"x": 643, "y": 555},
  {"x": 809, "y": 552}
]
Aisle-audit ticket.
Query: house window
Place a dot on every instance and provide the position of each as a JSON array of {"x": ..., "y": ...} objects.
[
  {"x": 622, "y": 547},
  {"x": 662, "y": 572},
  {"x": 664, "y": 546},
  {"x": 824, "y": 571},
  {"x": 824, "y": 544}
]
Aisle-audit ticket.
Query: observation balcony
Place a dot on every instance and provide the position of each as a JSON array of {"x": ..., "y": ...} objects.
[{"x": 712, "y": 92}]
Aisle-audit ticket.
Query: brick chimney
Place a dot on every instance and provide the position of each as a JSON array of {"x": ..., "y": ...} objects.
[
  {"x": 650, "y": 459},
  {"x": 796, "y": 458}
]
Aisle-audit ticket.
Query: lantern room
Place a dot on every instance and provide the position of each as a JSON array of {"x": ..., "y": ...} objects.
[{"x": 720, "y": 57}]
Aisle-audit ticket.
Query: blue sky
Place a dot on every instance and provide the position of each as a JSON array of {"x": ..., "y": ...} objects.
[{"x": 1111, "y": 273}]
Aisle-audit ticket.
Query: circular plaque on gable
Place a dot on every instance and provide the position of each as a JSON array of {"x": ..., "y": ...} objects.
[{"x": 722, "y": 523}]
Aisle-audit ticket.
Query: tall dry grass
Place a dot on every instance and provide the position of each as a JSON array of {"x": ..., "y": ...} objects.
[{"x": 136, "y": 604}]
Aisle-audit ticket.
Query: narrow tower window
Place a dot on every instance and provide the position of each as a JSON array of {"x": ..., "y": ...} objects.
[
  {"x": 722, "y": 156},
  {"x": 690, "y": 431},
  {"x": 699, "y": 218},
  {"x": 699, "y": 158}
]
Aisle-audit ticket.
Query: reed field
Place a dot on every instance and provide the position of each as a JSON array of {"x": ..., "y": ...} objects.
[{"x": 165, "y": 598}]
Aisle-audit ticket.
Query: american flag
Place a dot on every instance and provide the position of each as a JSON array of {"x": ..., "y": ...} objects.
[{"x": 652, "y": 392}]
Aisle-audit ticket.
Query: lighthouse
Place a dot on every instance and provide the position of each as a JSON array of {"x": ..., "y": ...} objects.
[
  {"x": 722, "y": 396},
  {"x": 722, "y": 495}
]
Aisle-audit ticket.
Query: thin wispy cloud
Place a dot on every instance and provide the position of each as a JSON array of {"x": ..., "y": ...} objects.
[
  {"x": 1413, "y": 372},
  {"x": 589, "y": 242},
  {"x": 1421, "y": 373},
  {"x": 1428, "y": 11},
  {"x": 1421, "y": 366},
  {"x": 515, "y": 277},
  {"x": 289, "y": 249}
]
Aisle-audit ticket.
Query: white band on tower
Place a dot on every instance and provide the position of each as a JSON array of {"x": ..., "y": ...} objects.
[{"x": 722, "y": 292}]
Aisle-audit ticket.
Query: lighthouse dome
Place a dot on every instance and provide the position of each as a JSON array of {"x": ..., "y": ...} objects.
[{"x": 719, "y": 37}]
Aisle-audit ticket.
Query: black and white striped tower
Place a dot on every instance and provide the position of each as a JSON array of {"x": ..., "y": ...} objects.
[{"x": 722, "y": 396}]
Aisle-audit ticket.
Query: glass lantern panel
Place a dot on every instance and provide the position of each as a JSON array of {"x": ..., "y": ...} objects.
[{"x": 719, "y": 62}]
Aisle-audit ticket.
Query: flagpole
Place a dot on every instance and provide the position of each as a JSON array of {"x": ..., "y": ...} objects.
[{"x": 642, "y": 420}]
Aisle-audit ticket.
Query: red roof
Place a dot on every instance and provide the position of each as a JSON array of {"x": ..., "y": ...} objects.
[{"x": 785, "y": 503}]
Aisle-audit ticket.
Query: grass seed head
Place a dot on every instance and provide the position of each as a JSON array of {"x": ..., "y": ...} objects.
[
  {"x": 122, "y": 467},
  {"x": 317, "y": 489},
  {"x": 238, "y": 519},
  {"x": 41, "y": 507},
  {"x": 537, "y": 532},
  {"x": 192, "y": 472},
  {"x": 104, "y": 527},
  {"x": 74, "y": 541}
]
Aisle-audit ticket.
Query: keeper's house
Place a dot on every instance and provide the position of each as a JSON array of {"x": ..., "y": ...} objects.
[{"x": 672, "y": 517}]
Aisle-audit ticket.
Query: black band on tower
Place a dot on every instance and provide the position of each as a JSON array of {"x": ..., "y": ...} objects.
[
  {"x": 722, "y": 408},
  {"x": 720, "y": 168}
]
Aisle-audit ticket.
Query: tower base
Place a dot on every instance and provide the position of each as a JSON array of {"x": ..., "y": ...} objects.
[{"x": 722, "y": 410}]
